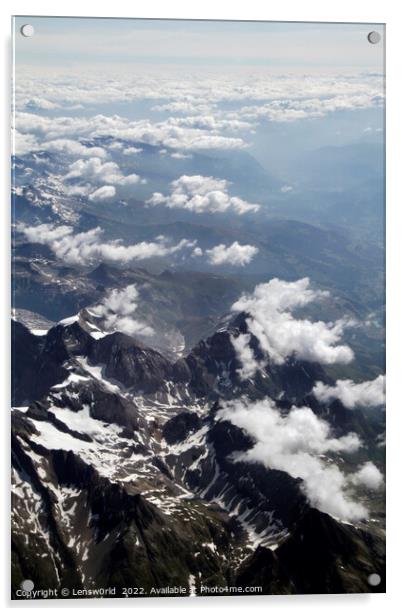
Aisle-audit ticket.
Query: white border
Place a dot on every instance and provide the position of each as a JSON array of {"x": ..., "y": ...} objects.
[{"x": 368, "y": 11}]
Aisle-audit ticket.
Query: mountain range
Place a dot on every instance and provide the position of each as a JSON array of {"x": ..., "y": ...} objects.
[
  {"x": 124, "y": 472},
  {"x": 129, "y": 469}
]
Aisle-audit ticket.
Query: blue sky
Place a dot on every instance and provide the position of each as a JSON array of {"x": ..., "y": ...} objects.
[{"x": 79, "y": 42}]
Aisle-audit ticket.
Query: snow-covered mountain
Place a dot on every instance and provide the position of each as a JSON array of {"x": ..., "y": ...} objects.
[{"x": 125, "y": 472}]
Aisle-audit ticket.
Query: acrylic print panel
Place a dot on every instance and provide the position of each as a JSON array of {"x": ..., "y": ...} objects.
[{"x": 198, "y": 308}]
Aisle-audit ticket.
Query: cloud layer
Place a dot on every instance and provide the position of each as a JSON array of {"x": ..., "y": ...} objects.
[
  {"x": 281, "y": 334},
  {"x": 298, "y": 443},
  {"x": 200, "y": 194},
  {"x": 34, "y": 129},
  {"x": 198, "y": 92},
  {"x": 368, "y": 393},
  {"x": 200, "y": 110}
]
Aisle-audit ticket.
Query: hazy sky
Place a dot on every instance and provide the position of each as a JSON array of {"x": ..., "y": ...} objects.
[{"x": 78, "y": 42}]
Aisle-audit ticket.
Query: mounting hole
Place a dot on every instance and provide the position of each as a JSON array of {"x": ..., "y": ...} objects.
[
  {"x": 374, "y": 37},
  {"x": 27, "y": 585},
  {"x": 27, "y": 30},
  {"x": 374, "y": 579}
]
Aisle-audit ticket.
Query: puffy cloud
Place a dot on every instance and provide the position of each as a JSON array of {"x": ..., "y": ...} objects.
[
  {"x": 212, "y": 123},
  {"x": 281, "y": 334},
  {"x": 40, "y": 103},
  {"x": 164, "y": 134},
  {"x": 197, "y": 252},
  {"x": 288, "y": 110},
  {"x": 368, "y": 393},
  {"x": 87, "y": 248},
  {"x": 199, "y": 194},
  {"x": 235, "y": 254},
  {"x": 115, "y": 145},
  {"x": 185, "y": 106},
  {"x": 24, "y": 143},
  {"x": 103, "y": 193},
  {"x": 369, "y": 476},
  {"x": 94, "y": 169},
  {"x": 297, "y": 443},
  {"x": 181, "y": 155},
  {"x": 131, "y": 150},
  {"x": 75, "y": 190},
  {"x": 72, "y": 147},
  {"x": 116, "y": 312},
  {"x": 169, "y": 135},
  {"x": 44, "y": 234}
]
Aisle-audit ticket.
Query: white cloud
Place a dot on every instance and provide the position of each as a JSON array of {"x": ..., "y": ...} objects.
[
  {"x": 235, "y": 254},
  {"x": 75, "y": 190},
  {"x": 245, "y": 355},
  {"x": 212, "y": 123},
  {"x": 38, "y": 103},
  {"x": 297, "y": 443},
  {"x": 181, "y": 155},
  {"x": 185, "y": 106},
  {"x": 87, "y": 248},
  {"x": 131, "y": 150},
  {"x": 165, "y": 134},
  {"x": 197, "y": 252},
  {"x": 24, "y": 143},
  {"x": 103, "y": 193},
  {"x": 94, "y": 169},
  {"x": 288, "y": 110},
  {"x": 199, "y": 97},
  {"x": 44, "y": 234},
  {"x": 368, "y": 393},
  {"x": 369, "y": 476},
  {"x": 116, "y": 312},
  {"x": 280, "y": 334},
  {"x": 115, "y": 145},
  {"x": 72, "y": 147},
  {"x": 169, "y": 135},
  {"x": 199, "y": 194},
  {"x": 197, "y": 92}
]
